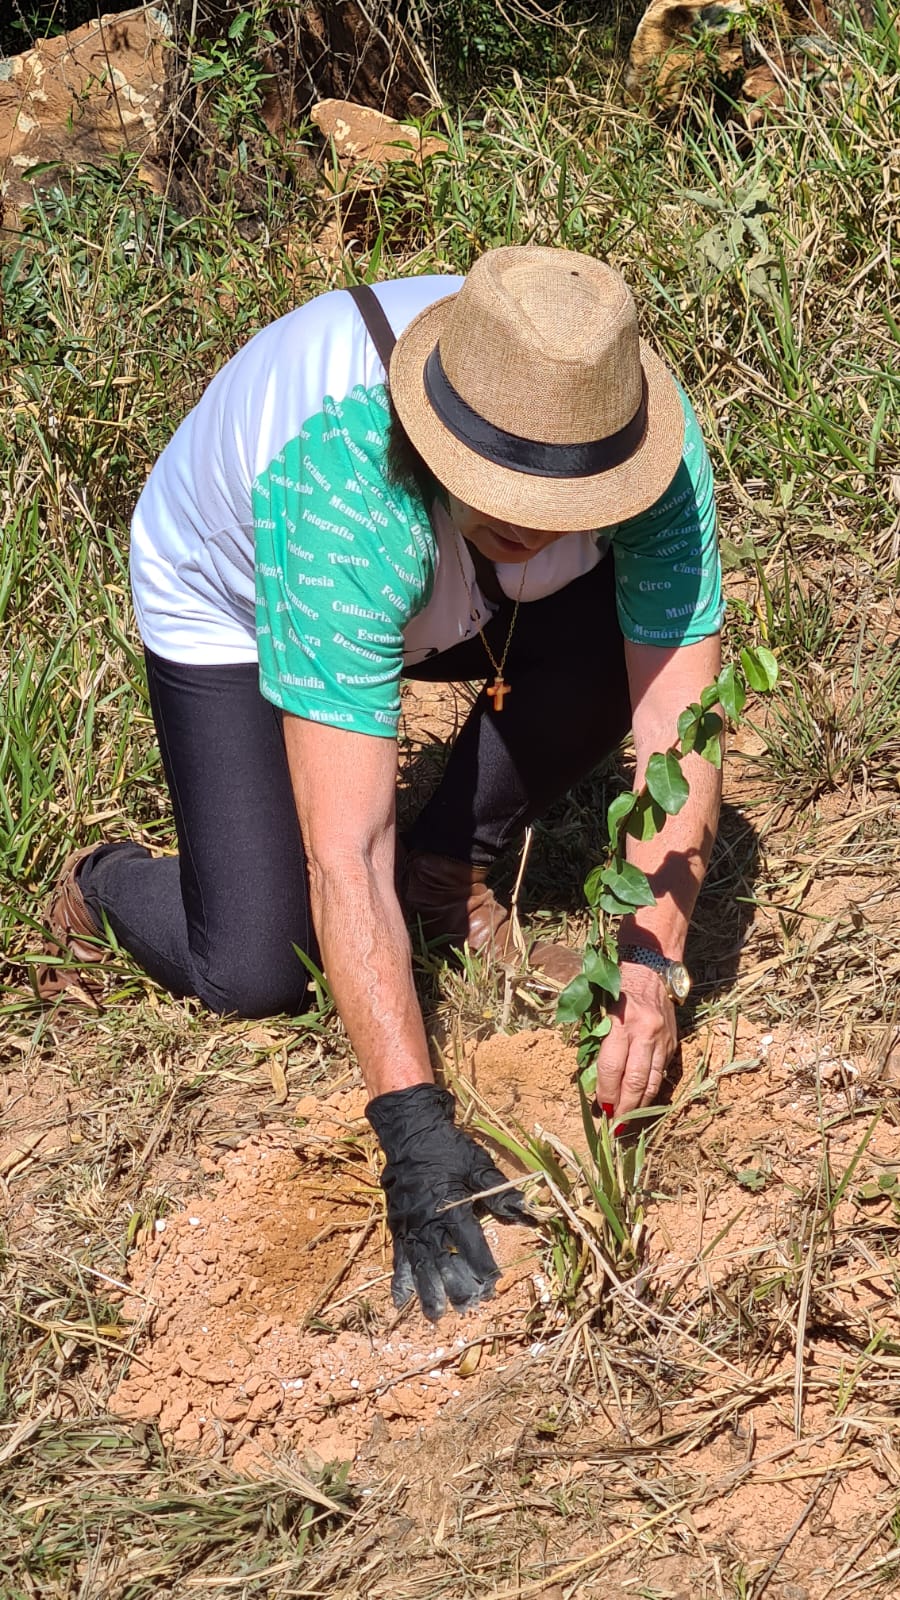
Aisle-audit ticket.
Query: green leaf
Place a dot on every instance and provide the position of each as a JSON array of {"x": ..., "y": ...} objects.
[
  {"x": 621, "y": 808},
  {"x": 587, "y": 1088},
  {"x": 604, "y": 973},
  {"x": 714, "y": 246},
  {"x": 732, "y": 694},
  {"x": 591, "y": 1039},
  {"x": 701, "y": 197},
  {"x": 593, "y": 886},
  {"x": 588, "y": 1081},
  {"x": 709, "y": 697},
  {"x": 529, "y": 1157},
  {"x": 646, "y": 819},
  {"x": 666, "y": 782},
  {"x": 735, "y": 236},
  {"x": 752, "y": 1178},
  {"x": 612, "y": 1218},
  {"x": 760, "y": 667},
  {"x": 688, "y": 723},
  {"x": 708, "y": 738},
  {"x": 628, "y": 884},
  {"x": 755, "y": 199},
  {"x": 575, "y": 1000}
]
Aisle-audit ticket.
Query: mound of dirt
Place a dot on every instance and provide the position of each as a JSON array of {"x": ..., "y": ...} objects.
[{"x": 264, "y": 1306}]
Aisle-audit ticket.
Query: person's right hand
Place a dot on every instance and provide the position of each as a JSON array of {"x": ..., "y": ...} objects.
[
  {"x": 640, "y": 1044},
  {"x": 440, "y": 1254}
]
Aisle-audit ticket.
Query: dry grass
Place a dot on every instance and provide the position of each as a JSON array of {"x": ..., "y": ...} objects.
[{"x": 714, "y": 1417}]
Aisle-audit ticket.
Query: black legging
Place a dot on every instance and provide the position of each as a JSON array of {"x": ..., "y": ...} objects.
[{"x": 221, "y": 919}]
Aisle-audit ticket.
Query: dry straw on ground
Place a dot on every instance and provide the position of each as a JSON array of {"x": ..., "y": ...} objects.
[{"x": 713, "y": 1417}]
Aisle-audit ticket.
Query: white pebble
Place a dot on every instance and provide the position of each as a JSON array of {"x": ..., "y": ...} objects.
[
  {"x": 193, "y": 1222},
  {"x": 160, "y": 1225}
]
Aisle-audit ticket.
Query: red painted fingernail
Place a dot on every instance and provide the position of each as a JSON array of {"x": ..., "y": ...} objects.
[
  {"x": 617, "y": 1132},
  {"x": 607, "y": 1110}
]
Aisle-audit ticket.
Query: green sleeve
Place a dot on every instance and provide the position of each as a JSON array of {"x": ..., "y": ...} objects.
[
  {"x": 343, "y": 561},
  {"x": 668, "y": 574}
]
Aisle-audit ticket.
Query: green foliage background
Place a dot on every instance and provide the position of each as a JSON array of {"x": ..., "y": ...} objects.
[{"x": 473, "y": 41}]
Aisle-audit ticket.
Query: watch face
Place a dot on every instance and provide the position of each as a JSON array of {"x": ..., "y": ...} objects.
[{"x": 679, "y": 980}]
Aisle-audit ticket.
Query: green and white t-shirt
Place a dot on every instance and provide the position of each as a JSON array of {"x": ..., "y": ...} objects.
[{"x": 268, "y": 531}]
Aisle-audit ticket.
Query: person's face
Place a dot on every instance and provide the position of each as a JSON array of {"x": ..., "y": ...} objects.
[{"x": 499, "y": 541}]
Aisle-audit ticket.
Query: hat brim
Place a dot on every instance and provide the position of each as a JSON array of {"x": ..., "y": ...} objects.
[{"x": 571, "y": 505}]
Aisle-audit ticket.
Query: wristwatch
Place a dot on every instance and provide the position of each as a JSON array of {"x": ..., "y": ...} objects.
[{"x": 674, "y": 974}]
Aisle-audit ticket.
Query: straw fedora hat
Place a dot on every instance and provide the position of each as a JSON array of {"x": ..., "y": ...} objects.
[{"x": 531, "y": 397}]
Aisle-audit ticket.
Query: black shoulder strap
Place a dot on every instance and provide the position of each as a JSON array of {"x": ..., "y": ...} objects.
[
  {"x": 380, "y": 331},
  {"x": 486, "y": 573},
  {"x": 384, "y": 338}
]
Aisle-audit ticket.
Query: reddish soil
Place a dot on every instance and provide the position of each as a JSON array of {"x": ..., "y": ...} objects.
[
  {"x": 263, "y": 1323},
  {"x": 265, "y": 1307},
  {"x": 266, "y": 1317}
]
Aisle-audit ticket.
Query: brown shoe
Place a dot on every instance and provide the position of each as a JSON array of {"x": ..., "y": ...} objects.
[
  {"x": 452, "y": 901},
  {"x": 73, "y": 932}
]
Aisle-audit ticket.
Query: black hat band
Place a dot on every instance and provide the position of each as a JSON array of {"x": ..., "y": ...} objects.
[{"x": 528, "y": 455}]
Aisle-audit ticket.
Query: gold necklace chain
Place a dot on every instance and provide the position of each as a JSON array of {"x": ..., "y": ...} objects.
[{"x": 499, "y": 689}]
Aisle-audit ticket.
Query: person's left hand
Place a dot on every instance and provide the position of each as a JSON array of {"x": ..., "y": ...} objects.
[{"x": 640, "y": 1044}]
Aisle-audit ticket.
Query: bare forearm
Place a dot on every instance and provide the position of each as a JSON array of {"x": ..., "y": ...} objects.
[
  {"x": 366, "y": 957},
  {"x": 675, "y": 863}
]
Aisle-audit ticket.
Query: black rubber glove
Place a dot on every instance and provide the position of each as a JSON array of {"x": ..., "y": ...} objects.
[{"x": 442, "y": 1255}]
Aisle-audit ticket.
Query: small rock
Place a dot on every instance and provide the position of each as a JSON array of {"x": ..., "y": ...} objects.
[
  {"x": 149, "y": 1405},
  {"x": 188, "y": 1432},
  {"x": 215, "y": 1372},
  {"x": 233, "y": 1410},
  {"x": 223, "y": 1292},
  {"x": 265, "y": 1404},
  {"x": 174, "y": 1412}
]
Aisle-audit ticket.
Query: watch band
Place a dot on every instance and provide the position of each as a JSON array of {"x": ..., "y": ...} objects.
[
  {"x": 674, "y": 974},
  {"x": 644, "y": 957}
]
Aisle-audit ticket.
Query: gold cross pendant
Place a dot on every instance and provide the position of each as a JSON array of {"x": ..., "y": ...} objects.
[{"x": 498, "y": 691}]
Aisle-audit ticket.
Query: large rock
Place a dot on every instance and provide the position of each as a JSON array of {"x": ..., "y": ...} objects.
[
  {"x": 81, "y": 97},
  {"x": 755, "y": 50},
  {"x": 366, "y": 142}
]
